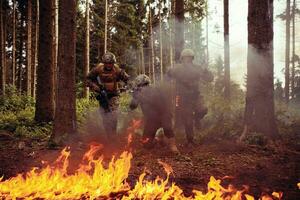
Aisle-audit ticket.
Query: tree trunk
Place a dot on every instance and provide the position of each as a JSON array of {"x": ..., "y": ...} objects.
[
  {"x": 20, "y": 54},
  {"x": 259, "y": 112},
  {"x": 179, "y": 28},
  {"x": 2, "y": 41},
  {"x": 105, "y": 26},
  {"x": 142, "y": 59},
  {"x": 29, "y": 47},
  {"x": 152, "y": 47},
  {"x": 293, "y": 50},
  {"x": 86, "y": 66},
  {"x": 35, "y": 49},
  {"x": 171, "y": 27},
  {"x": 14, "y": 45},
  {"x": 55, "y": 42},
  {"x": 207, "y": 50},
  {"x": 45, "y": 69},
  {"x": 160, "y": 44},
  {"x": 226, "y": 51},
  {"x": 287, "y": 53},
  {"x": 65, "y": 113},
  {"x": 138, "y": 55}
]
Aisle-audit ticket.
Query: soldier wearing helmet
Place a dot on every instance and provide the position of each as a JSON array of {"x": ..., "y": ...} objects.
[
  {"x": 154, "y": 102},
  {"x": 103, "y": 79},
  {"x": 189, "y": 103}
]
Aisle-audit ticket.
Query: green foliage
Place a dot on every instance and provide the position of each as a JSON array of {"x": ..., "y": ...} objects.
[
  {"x": 15, "y": 102},
  {"x": 225, "y": 117},
  {"x": 17, "y": 116},
  {"x": 34, "y": 131},
  {"x": 124, "y": 101},
  {"x": 288, "y": 122},
  {"x": 83, "y": 106}
]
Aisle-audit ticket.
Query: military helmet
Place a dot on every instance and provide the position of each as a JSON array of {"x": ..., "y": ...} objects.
[
  {"x": 187, "y": 53},
  {"x": 142, "y": 80},
  {"x": 109, "y": 57}
]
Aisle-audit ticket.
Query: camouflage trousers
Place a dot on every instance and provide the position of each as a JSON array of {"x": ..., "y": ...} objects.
[
  {"x": 189, "y": 112},
  {"x": 110, "y": 118}
]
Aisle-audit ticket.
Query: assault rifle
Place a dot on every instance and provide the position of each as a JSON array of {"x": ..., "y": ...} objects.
[{"x": 102, "y": 96}]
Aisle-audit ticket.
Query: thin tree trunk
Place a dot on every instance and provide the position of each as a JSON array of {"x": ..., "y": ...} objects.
[
  {"x": 45, "y": 69},
  {"x": 65, "y": 114},
  {"x": 14, "y": 45},
  {"x": 138, "y": 54},
  {"x": 35, "y": 56},
  {"x": 160, "y": 44},
  {"x": 6, "y": 71},
  {"x": 20, "y": 52},
  {"x": 293, "y": 50},
  {"x": 259, "y": 112},
  {"x": 55, "y": 43},
  {"x": 179, "y": 28},
  {"x": 105, "y": 26},
  {"x": 86, "y": 67},
  {"x": 226, "y": 51},
  {"x": 207, "y": 50},
  {"x": 171, "y": 27},
  {"x": 29, "y": 48},
  {"x": 142, "y": 60},
  {"x": 287, "y": 53},
  {"x": 152, "y": 47},
  {"x": 2, "y": 41}
]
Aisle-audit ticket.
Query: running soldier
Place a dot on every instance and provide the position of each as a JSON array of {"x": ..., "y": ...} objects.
[{"x": 104, "y": 80}]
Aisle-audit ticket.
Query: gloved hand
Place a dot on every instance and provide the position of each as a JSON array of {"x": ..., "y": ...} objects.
[{"x": 96, "y": 88}]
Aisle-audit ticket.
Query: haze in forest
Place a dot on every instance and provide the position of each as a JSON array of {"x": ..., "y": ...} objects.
[{"x": 238, "y": 10}]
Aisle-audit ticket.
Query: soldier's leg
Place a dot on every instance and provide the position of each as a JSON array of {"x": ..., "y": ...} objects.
[
  {"x": 168, "y": 131},
  {"x": 200, "y": 112},
  {"x": 166, "y": 124},
  {"x": 110, "y": 118},
  {"x": 110, "y": 123},
  {"x": 149, "y": 133},
  {"x": 189, "y": 127}
]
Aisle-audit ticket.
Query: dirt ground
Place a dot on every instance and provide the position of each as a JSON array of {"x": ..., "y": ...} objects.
[{"x": 263, "y": 169}]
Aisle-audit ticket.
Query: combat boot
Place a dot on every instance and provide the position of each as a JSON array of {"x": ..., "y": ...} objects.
[{"x": 172, "y": 145}]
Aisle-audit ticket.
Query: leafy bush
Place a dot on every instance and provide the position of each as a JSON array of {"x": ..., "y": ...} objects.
[
  {"x": 83, "y": 106},
  {"x": 34, "y": 131},
  {"x": 225, "y": 117},
  {"x": 17, "y": 116},
  {"x": 124, "y": 102},
  {"x": 15, "y": 102}
]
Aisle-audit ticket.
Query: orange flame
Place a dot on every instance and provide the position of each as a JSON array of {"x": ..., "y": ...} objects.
[
  {"x": 135, "y": 124},
  {"x": 94, "y": 181},
  {"x": 55, "y": 183}
]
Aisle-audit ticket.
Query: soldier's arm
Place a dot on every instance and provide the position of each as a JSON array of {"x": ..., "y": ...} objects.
[
  {"x": 122, "y": 75},
  {"x": 91, "y": 79},
  {"x": 206, "y": 75}
]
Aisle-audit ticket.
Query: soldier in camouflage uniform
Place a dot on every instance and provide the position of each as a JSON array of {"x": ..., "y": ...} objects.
[
  {"x": 189, "y": 102},
  {"x": 157, "y": 111},
  {"x": 104, "y": 79}
]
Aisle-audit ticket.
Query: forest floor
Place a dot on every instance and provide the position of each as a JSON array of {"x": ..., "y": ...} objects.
[{"x": 263, "y": 169}]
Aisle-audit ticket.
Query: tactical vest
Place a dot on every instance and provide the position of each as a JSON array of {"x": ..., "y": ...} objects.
[{"x": 109, "y": 79}]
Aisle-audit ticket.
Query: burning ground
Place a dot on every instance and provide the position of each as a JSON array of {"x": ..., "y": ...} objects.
[{"x": 253, "y": 169}]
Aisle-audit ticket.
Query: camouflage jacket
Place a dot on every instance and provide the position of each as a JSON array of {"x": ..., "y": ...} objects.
[
  {"x": 188, "y": 78},
  {"x": 109, "y": 79},
  {"x": 154, "y": 102}
]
